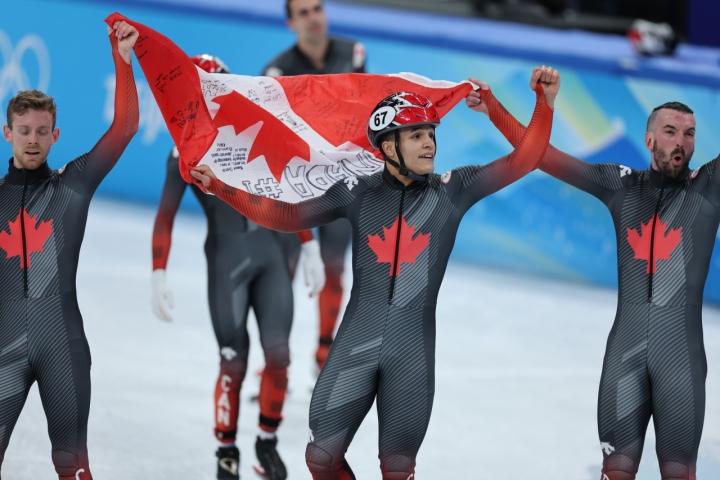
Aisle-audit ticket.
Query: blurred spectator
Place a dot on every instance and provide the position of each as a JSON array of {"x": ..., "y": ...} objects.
[
  {"x": 563, "y": 13},
  {"x": 673, "y": 12}
]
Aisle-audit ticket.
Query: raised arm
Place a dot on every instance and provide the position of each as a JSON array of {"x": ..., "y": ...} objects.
[
  {"x": 89, "y": 170},
  {"x": 477, "y": 182},
  {"x": 712, "y": 174},
  {"x": 601, "y": 181},
  {"x": 276, "y": 214}
]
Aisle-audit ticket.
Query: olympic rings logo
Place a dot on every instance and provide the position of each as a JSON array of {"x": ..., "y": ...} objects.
[{"x": 13, "y": 75}]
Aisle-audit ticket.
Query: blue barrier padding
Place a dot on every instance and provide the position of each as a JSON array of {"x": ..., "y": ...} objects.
[
  {"x": 578, "y": 49},
  {"x": 537, "y": 225}
]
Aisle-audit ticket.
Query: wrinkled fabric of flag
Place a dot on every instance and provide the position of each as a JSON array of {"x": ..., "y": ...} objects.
[{"x": 287, "y": 138}]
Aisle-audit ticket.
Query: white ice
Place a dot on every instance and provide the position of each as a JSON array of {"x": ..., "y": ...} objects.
[{"x": 518, "y": 365}]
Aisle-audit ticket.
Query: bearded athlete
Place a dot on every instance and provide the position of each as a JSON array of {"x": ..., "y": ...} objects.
[
  {"x": 42, "y": 220},
  {"x": 404, "y": 221},
  {"x": 247, "y": 268},
  {"x": 666, "y": 219}
]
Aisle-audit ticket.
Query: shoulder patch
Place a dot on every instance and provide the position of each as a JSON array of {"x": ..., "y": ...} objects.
[
  {"x": 624, "y": 170},
  {"x": 61, "y": 169},
  {"x": 445, "y": 177},
  {"x": 694, "y": 173},
  {"x": 351, "y": 182}
]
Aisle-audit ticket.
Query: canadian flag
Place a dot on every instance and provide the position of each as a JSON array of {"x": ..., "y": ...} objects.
[{"x": 288, "y": 138}]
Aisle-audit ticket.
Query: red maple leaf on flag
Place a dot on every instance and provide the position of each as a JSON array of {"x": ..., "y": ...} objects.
[
  {"x": 36, "y": 234},
  {"x": 384, "y": 245},
  {"x": 665, "y": 242},
  {"x": 275, "y": 140}
]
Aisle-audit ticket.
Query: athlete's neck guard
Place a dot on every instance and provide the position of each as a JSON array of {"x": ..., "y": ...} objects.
[
  {"x": 393, "y": 182},
  {"x": 20, "y": 176},
  {"x": 659, "y": 180}
]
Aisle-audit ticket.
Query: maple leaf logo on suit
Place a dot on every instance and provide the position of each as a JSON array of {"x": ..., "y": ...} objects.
[
  {"x": 36, "y": 234},
  {"x": 665, "y": 242},
  {"x": 409, "y": 248}
]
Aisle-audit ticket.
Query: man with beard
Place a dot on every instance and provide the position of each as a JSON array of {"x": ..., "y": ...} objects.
[{"x": 666, "y": 219}]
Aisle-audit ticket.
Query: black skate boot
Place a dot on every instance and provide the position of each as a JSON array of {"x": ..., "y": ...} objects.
[
  {"x": 228, "y": 463},
  {"x": 272, "y": 466}
]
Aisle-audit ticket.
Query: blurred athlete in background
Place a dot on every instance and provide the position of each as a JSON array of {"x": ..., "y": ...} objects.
[
  {"x": 315, "y": 52},
  {"x": 247, "y": 267}
]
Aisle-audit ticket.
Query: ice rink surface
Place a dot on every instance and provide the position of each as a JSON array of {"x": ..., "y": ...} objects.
[{"x": 517, "y": 372}]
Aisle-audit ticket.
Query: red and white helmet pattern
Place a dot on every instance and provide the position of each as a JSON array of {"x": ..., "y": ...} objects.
[
  {"x": 400, "y": 110},
  {"x": 210, "y": 63}
]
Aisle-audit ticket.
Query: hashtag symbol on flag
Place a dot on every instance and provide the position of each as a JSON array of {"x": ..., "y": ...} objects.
[{"x": 267, "y": 188}]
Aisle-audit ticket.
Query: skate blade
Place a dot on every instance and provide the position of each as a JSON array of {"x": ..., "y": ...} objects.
[{"x": 260, "y": 472}]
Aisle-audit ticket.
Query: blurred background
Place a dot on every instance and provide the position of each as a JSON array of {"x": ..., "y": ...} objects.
[
  {"x": 538, "y": 225},
  {"x": 535, "y": 375},
  {"x": 690, "y": 19}
]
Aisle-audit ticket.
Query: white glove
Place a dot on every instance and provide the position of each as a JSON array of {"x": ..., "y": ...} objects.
[
  {"x": 162, "y": 297},
  {"x": 313, "y": 267}
]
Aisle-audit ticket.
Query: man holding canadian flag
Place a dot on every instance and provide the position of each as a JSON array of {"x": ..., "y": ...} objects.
[
  {"x": 292, "y": 153},
  {"x": 666, "y": 219},
  {"x": 43, "y": 213}
]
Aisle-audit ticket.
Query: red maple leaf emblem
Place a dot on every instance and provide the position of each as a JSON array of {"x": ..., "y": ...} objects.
[
  {"x": 384, "y": 245},
  {"x": 665, "y": 242},
  {"x": 36, "y": 234},
  {"x": 275, "y": 140}
]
